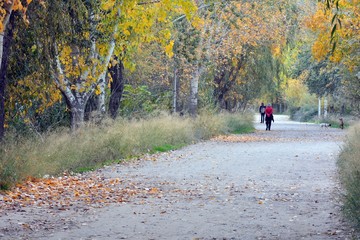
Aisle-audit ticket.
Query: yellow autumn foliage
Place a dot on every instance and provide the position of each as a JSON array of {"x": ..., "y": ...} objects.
[
  {"x": 168, "y": 49},
  {"x": 43, "y": 94},
  {"x": 346, "y": 35},
  {"x": 97, "y": 90},
  {"x": 321, "y": 47},
  {"x": 108, "y": 4},
  {"x": 6, "y": 8}
]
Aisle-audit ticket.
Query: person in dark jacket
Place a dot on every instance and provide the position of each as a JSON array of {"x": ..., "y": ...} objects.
[{"x": 262, "y": 112}]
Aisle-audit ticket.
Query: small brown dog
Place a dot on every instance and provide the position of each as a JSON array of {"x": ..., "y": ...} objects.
[{"x": 341, "y": 123}]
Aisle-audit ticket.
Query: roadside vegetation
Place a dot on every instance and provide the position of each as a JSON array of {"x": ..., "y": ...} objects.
[
  {"x": 349, "y": 171},
  {"x": 112, "y": 142}
]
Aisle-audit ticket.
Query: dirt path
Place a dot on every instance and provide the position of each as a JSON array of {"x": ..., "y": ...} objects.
[{"x": 278, "y": 184}]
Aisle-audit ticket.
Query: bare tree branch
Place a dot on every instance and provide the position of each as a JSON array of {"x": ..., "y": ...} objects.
[{"x": 151, "y": 2}]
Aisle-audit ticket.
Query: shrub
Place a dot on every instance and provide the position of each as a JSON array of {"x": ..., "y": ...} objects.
[
  {"x": 304, "y": 113},
  {"x": 239, "y": 123},
  {"x": 349, "y": 171}
]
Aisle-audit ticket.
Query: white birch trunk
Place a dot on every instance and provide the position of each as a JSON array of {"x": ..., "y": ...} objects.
[
  {"x": 194, "y": 87},
  {"x": 175, "y": 91},
  {"x": 8, "y": 6},
  {"x": 77, "y": 115},
  {"x": 101, "y": 80},
  {"x": 325, "y": 107},
  {"x": 101, "y": 98},
  {"x": 1, "y": 46},
  {"x": 319, "y": 107},
  {"x": 194, "y": 90}
]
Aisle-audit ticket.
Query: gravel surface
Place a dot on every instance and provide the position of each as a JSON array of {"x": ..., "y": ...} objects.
[{"x": 278, "y": 184}]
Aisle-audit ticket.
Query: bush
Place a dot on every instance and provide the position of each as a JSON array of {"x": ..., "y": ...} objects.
[
  {"x": 93, "y": 146},
  {"x": 349, "y": 171},
  {"x": 239, "y": 124},
  {"x": 304, "y": 113}
]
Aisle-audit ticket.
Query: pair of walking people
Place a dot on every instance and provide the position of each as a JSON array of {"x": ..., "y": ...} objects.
[{"x": 266, "y": 114}]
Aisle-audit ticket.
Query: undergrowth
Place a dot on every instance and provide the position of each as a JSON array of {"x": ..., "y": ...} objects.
[
  {"x": 334, "y": 120},
  {"x": 114, "y": 141},
  {"x": 349, "y": 171}
]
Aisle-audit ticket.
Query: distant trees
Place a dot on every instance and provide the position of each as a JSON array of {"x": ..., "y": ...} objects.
[{"x": 224, "y": 51}]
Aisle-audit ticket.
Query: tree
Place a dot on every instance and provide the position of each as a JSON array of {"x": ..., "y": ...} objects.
[
  {"x": 84, "y": 36},
  {"x": 6, "y": 9},
  {"x": 116, "y": 71},
  {"x": 238, "y": 75},
  {"x": 341, "y": 29},
  {"x": 30, "y": 94},
  {"x": 219, "y": 46}
]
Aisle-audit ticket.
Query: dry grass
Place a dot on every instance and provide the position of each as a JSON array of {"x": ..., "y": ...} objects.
[
  {"x": 349, "y": 170},
  {"x": 94, "y": 146}
]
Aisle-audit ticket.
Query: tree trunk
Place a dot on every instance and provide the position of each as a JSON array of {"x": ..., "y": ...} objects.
[
  {"x": 2, "y": 98},
  {"x": 5, "y": 44},
  {"x": 77, "y": 115},
  {"x": 101, "y": 97},
  {"x": 194, "y": 89},
  {"x": 325, "y": 107},
  {"x": 175, "y": 95},
  {"x": 117, "y": 87},
  {"x": 76, "y": 104},
  {"x": 91, "y": 106},
  {"x": 219, "y": 89}
]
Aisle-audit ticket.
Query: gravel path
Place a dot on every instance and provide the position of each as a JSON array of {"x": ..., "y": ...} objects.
[{"x": 278, "y": 184}]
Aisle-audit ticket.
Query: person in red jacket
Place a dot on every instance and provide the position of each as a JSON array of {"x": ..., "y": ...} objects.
[
  {"x": 268, "y": 109},
  {"x": 269, "y": 116}
]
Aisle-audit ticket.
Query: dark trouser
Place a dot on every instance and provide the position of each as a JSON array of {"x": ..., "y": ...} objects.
[
  {"x": 268, "y": 125},
  {"x": 262, "y": 117}
]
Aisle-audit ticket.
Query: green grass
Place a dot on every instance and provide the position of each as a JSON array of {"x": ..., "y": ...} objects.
[
  {"x": 243, "y": 130},
  {"x": 166, "y": 148},
  {"x": 349, "y": 171},
  {"x": 237, "y": 126},
  {"x": 95, "y": 146}
]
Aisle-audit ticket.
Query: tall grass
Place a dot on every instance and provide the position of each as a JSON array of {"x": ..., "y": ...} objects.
[
  {"x": 349, "y": 170},
  {"x": 93, "y": 146}
]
